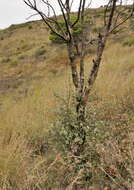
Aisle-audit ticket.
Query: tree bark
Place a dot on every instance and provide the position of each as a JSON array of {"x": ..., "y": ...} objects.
[
  {"x": 96, "y": 65},
  {"x": 72, "y": 57}
]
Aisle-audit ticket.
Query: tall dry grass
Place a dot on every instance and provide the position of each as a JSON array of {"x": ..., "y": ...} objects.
[{"x": 24, "y": 124}]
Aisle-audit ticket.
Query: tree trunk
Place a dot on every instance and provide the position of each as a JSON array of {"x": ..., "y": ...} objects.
[
  {"x": 77, "y": 147},
  {"x": 72, "y": 57},
  {"x": 96, "y": 66}
]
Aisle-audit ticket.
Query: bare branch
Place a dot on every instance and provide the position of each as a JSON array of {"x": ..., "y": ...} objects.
[
  {"x": 89, "y": 4},
  {"x": 62, "y": 7},
  {"x": 111, "y": 15},
  {"x": 105, "y": 12},
  {"x": 46, "y": 19},
  {"x": 49, "y": 5},
  {"x": 78, "y": 14},
  {"x": 83, "y": 10},
  {"x": 36, "y": 14},
  {"x": 123, "y": 21}
]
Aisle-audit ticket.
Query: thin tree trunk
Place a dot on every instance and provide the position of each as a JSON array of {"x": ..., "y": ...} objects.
[
  {"x": 78, "y": 81},
  {"x": 72, "y": 57},
  {"x": 96, "y": 65}
]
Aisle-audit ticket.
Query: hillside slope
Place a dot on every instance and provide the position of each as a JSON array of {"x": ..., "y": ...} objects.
[{"x": 27, "y": 56}]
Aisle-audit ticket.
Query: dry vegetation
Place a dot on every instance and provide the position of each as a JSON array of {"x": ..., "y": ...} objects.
[{"x": 34, "y": 82}]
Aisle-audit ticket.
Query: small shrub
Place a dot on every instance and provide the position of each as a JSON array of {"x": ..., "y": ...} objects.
[
  {"x": 22, "y": 41},
  {"x": 5, "y": 60},
  {"x": 30, "y": 27},
  {"x": 55, "y": 39},
  {"x": 129, "y": 10},
  {"x": 131, "y": 24},
  {"x": 17, "y": 26},
  {"x": 54, "y": 71},
  {"x": 24, "y": 47},
  {"x": 14, "y": 63},
  {"x": 21, "y": 57},
  {"x": 129, "y": 43},
  {"x": 97, "y": 29},
  {"x": 40, "y": 51},
  {"x": 98, "y": 15}
]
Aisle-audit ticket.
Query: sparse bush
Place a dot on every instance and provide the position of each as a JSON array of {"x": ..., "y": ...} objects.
[
  {"x": 67, "y": 133},
  {"x": 14, "y": 63},
  {"x": 97, "y": 29},
  {"x": 30, "y": 27},
  {"x": 131, "y": 24},
  {"x": 21, "y": 57},
  {"x": 129, "y": 43},
  {"x": 40, "y": 51},
  {"x": 17, "y": 26},
  {"x": 6, "y": 60},
  {"x": 54, "y": 71},
  {"x": 55, "y": 39},
  {"x": 24, "y": 47},
  {"x": 98, "y": 15},
  {"x": 22, "y": 41}
]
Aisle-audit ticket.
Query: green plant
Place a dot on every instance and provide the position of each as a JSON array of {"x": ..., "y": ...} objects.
[
  {"x": 21, "y": 57},
  {"x": 54, "y": 71},
  {"x": 129, "y": 43},
  {"x": 5, "y": 60},
  {"x": 30, "y": 27},
  {"x": 69, "y": 132},
  {"x": 17, "y": 26},
  {"x": 97, "y": 29},
  {"x": 40, "y": 51},
  {"x": 14, "y": 63},
  {"x": 55, "y": 39},
  {"x": 131, "y": 24},
  {"x": 77, "y": 29},
  {"x": 25, "y": 47}
]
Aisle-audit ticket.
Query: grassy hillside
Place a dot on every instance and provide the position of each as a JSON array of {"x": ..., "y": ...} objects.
[{"x": 34, "y": 81}]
